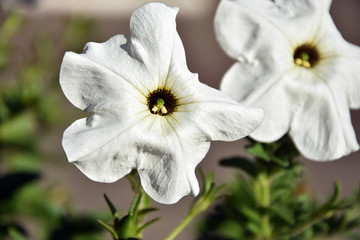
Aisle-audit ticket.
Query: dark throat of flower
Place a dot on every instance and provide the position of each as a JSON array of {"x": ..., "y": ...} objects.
[
  {"x": 161, "y": 101},
  {"x": 306, "y": 55}
]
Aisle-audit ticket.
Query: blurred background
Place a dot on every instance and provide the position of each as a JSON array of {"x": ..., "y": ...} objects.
[{"x": 34, "y": 172}]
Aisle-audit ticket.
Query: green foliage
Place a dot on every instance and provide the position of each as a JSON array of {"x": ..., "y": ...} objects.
[
  {"x": 272, "y": 201},
  {"x": 209, "y": 194},
  {"x": 131, "y": 225},
  {"x": 29, "y": 208}
]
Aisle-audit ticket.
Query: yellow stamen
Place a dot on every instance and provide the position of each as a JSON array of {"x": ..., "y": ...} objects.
[
  {"x": 302, "y": 63},
  {"x": 155, "y": 109},
  {"x": 306, "y": 64},
  {"x": 163, "y": 110},
  {"x": 299, "y": 61}
]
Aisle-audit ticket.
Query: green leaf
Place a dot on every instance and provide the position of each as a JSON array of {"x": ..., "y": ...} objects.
[
  {"x": 206, "y": 180},
  {"x": 278, "y": 194},
  {"x": 251, "y": 214},
  {"x": 135, "y": 203},
  {"x": 15, "y": 234},
  {"x": 254, "y": 228},
  {"x": 19, "y": 130},
  {"x": 283, "y": 212},
  {"x": 335, "y": 196},
  {"x": 146, "y": 225},
  {"x": 23, "y": 161},
  {"x": 109, "y": 229},
  {"x": 231, "y": 229},
  {"x": 257, "y": 149},
  {"x": 10, "y": 26},
  {"x": 111, "y": 206},
  {"x": 145, "y": 211},
  {"x": 283, "y": 162}
]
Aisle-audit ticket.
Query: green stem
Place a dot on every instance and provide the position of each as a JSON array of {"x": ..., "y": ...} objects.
[
  {"x": 262, "y": 196},
  {"x": 182, "y": 225}
]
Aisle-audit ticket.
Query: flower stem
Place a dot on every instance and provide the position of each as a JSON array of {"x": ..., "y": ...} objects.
[
  {"x": 262, "y": 197},
  {"x": 191, "y": 215}
]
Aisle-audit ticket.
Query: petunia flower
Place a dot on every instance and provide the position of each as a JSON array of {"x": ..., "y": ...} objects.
[
  {"x": 148, "y": 111},
  {"x": 293, "y": 62}
]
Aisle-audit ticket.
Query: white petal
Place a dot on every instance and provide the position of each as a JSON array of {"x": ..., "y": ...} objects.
[
  {"x": 169, "y": 154},
  {"x": 218, "y": 116},
  {"x": 294, "y": 9},
  {"x": 341, "y": 62},
  {"x": 97, "y": 147},
  {"x": 323, "y": 5},
  {"x": 342, "y": 72},
  {"x": 115, "y": 56},
  {"x": 279, "y": 102},
  {"x": 321, "y": 128},
  {"x": 92, "y": 144},
  {"x": 154, "y": 49},
  {"x": 156, "y": 42},
  {"x": 246, "y": 82},
  {"x": 92, "y": 87},
  {"x": 348, "y": 76}
]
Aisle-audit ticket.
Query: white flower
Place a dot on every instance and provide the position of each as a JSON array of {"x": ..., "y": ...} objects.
[
  {"x": 293, "y": 62},
  {"x": 149, "y": 112}
]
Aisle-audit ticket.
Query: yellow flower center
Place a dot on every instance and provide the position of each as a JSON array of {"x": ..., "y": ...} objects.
[{"x": 306, "y": 55}]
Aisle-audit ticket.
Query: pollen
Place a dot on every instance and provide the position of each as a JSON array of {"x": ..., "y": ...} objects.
[{"x": 306, "y": 55}]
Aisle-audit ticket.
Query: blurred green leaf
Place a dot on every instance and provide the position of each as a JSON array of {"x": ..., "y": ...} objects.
[
  {"x": 22, "y": 161},
  {"x": 10, "y": 26},
  {"x": 283, "y": 162},
  {"x": 258, "y": 150},
  {"x": 19, "y": 131},
  {"x": 284, "y": 212},
  {"x": 16, "y": 235},
  {"x": 252, "y": 214}
]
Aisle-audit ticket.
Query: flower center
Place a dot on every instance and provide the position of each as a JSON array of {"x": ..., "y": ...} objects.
[
  {"x": 306, "y": 55},
  {"x": 161, "y": 102}
]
